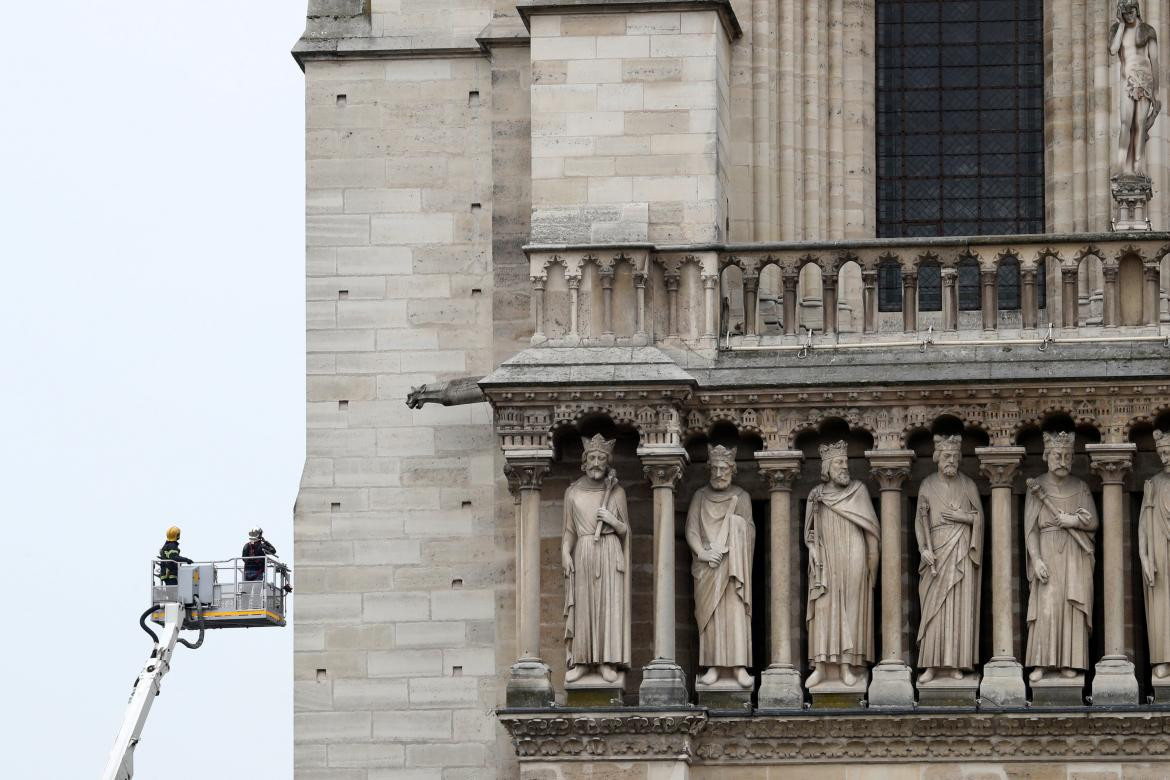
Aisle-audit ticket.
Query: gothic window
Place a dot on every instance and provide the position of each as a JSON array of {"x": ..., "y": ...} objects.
[
  {"x": 969, "y": 286},
  {"x": 1007, "y": 279},
  {"x": 889, "y": 287},
  {"x": 960, "y": 125},
  {"x": 930, "y": 287}
]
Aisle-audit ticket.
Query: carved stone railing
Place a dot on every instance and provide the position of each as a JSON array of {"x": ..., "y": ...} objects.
[{"x": 851, "y": 293}]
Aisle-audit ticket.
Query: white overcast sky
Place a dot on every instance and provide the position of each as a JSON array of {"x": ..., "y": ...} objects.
[{"x": 152, "y": 358}]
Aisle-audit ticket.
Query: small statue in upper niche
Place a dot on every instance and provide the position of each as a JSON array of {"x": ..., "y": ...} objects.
[
  {"x": 722, "y": 537},
  {"x": 1136, "y": 45},
  {"x": 595, "y": 556},
  {"x": 1154, "y": 551}
]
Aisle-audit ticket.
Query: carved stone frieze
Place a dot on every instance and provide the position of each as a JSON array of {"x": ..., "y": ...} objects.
[{"x": 803, "y": 739}]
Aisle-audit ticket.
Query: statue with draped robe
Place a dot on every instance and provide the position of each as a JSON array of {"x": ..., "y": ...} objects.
[
  {"x": 722, "y": 538},
  {"x": 1060, "y": 521},
  {"x": 841, "y": 531},
  {"x": 595, "y": 556},
  {"x": 949, "y": 528},
  {"x": 1154, "y": 552}
]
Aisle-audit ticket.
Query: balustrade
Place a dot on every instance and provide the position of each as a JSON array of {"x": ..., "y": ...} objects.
[{"x": 962, "y": 290}]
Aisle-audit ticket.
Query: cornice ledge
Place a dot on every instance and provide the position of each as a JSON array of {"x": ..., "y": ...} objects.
[
  {"x": 598, "y": 735},
  {"x": 529, "y": 8}
]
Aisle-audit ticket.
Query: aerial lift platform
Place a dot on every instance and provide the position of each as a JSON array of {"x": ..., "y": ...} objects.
[{"x": 208, "y": 595}]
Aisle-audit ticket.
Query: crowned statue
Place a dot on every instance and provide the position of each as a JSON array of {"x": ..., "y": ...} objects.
[
  {"x": 595, "y": 556},
  {"x": 722, "y": 538},
  {"x": 1060, "y": 521},
  {"x": 948, "y": 525},
  {"x": 841, "y": 531},
  {"x": 1154, "y": 552}
]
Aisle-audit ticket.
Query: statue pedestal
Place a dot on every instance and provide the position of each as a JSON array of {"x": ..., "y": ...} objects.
[
  {"x": 1131, "y": 200},
  {"x": 1114, "y": 682},
  {"x": 1057, "y": 691},
  {"x": 780, "y": 689},
  {"x": 529, "y": 684},
  {"x": 1161, "y": 690},
  {"x": 835, "y": 695},
  {"x": 592, "y": 690},
  {"x": 724, "y": 694},
  {"x": 1003, "y": 684},
  {"x": 663, "y": 685},
  {"x": 946, "y": 691},
  {"x": 891, "y": 687}
]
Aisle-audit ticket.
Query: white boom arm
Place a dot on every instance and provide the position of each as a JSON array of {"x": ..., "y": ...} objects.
[{"x": 146, "y": 687}]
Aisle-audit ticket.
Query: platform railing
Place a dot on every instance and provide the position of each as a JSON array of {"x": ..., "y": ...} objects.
[
  {"x": 234, "y": 593},
  {"x": 1107, "y": 286}
]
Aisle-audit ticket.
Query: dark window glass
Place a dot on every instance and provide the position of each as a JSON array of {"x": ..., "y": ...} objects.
[
  {"x": 889, "y": 287},
  {"x": 960, "y": 118},
  {"x": 969, "y": 287},
  {"x": 930, "y": 287},
  {"x": 1008, "y": 285},
  {"x": 1041, "y": 285}
]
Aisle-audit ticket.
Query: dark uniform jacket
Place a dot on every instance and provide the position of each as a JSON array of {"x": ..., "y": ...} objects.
[
  {"x": 253, "y": 554},
  {"x": 169, "y": 572}
]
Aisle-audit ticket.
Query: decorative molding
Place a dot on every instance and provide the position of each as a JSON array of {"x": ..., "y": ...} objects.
[
  {"x": 878, "y": 738},
  {"x": 999, "y": 464}
]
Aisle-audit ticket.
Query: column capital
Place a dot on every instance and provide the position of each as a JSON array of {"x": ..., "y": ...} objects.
[
  {"x": 999, "y": 464},
  {"x": 890, "y": 468},
  {"x": 1111, "y": 462},
  {"x": 526, "y": 469},
  {"x": 663, "y": 466},
  {"x": 780, "y": 467}
]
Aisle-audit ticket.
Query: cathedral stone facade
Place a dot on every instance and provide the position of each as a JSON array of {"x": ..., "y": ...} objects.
[{"x": 735, "y": 389}]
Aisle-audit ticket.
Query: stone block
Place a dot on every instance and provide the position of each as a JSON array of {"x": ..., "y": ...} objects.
[
  {"x": 663, "y": 685},
  {"x": 654, "y": 23},
  {"x": 668, "y": 96},
  {"x": 335, "y": 388},
  {"x": 431, "y": 692},
  {"x": 337, "y": 665},
  {"x": 449, "y": 755},
  {"x": 431, "y": 634},
  {"x": 890, "y": 687},
  {"x": 833, "y": 694},
  {"x": 367, "y": 755},
  {"x": 415, "y": 70},
  {"x": 1057, "y": 691},
  {"x": 321, "y": 174},
  {"x": 331, "y": 726},
  {"x": 946, "y": 691},
  {"x": 565, "y": 47},
  {"x": 339, "y": 341},
  {"x": 473, "y": 662},
  {"x": 406, "y": 774},
  {"x": 400, "y": 552},
  {"x": 394, "y": 607},
  {"x": 377, "y": 636},
  {"x": 328, "y": 608},
  {"x": 623, "y": 47},
  {"x": 378, "y": 260},
  {"x": 463, "y": 605},
  {"x": 369, "y": 694},
  {"x": 593, "y": 24},
  {"x": 594, "y": 71},
  {"x": 412, "y": 229},
  {"x": 312, "y": 696},
  {"x": 780, "y": 689},
  {"x": 1115, "y": 683},
  {"x": 337, "y": 230},
  {"x": 376, "y": 525},
  {"x": 640, "y": 70},
  {"x": 412, "y": 725},
  {"x": 682, "y": 45}
]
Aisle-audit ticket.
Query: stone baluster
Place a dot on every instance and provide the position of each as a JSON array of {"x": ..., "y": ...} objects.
[
  {"x": 869, "y": 301},
  {"x": 640, "y": 336},
  {"x": 751, "y": 288},
  {"x": 1029, "y": 311},
  {"x": 950, "y": 298},
  {"x": 1111, "y": 306},
  {"x": 574, "y": 306},
  {"x": 1003, "y": 675},
  {"x": 606, "y": 274},
  {"x": 910, "y": 301},
  {"x": 790, "y": 280},
  {"x": 529, "y": 683},
  {"x": 663, "y": 683},
  {"x": 1068, "y": 298},
  {"x": 891, "y": 686},
  {"x": 988, "y": 298},
  {"x": 1114, "y": 679},
  {"x": 672, "y": 281},
  {"x": 829, "y": 301},
  {"x": 709, "y": 305},
  {"x": 1150, "y": 299},
  {"x": 538, "y": 283},
  {"x": 780, "y": 685}
]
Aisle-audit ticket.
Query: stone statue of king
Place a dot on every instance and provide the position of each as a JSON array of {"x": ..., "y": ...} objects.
[
  {"x": 595, "y": 556},
  {"x": 1154, "y": 551},
  {"x": 948, "y": 526},
  {"x": 1060, "y": 520},
  {"x": 722, "y": 537},
  {"x": 841, "y": 532}
]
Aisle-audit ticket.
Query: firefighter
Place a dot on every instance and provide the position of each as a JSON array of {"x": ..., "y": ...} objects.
[
  {"x": 169, "y": 570},
  {"x": 256, "y": 548}
]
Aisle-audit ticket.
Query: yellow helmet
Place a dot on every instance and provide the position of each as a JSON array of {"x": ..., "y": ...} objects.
[{"x": 173, "y": 533}]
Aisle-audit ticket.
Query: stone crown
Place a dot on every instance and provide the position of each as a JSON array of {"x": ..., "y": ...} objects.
[
  {"x": 721, "y": 454},
  {"x": 833, "y": 450},
  {"x": 1059, "y": 441},
  {"x": 598, "y": 444}
]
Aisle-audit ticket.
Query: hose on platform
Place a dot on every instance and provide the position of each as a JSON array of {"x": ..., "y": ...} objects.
[
  {"x": 202, "y": 629},
  {"x": 146, "y": 628}
]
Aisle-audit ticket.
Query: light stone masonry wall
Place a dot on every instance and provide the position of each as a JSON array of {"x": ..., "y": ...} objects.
[
  {"x": 629, "y": 127},
  {"x": 398, "y": 548}
]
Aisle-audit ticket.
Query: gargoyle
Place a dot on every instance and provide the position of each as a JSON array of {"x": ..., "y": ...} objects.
[{"x": 455, "y": 392}]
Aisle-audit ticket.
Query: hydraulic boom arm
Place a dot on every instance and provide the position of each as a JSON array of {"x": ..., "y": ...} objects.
[{"x": 146, "y": 687}]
